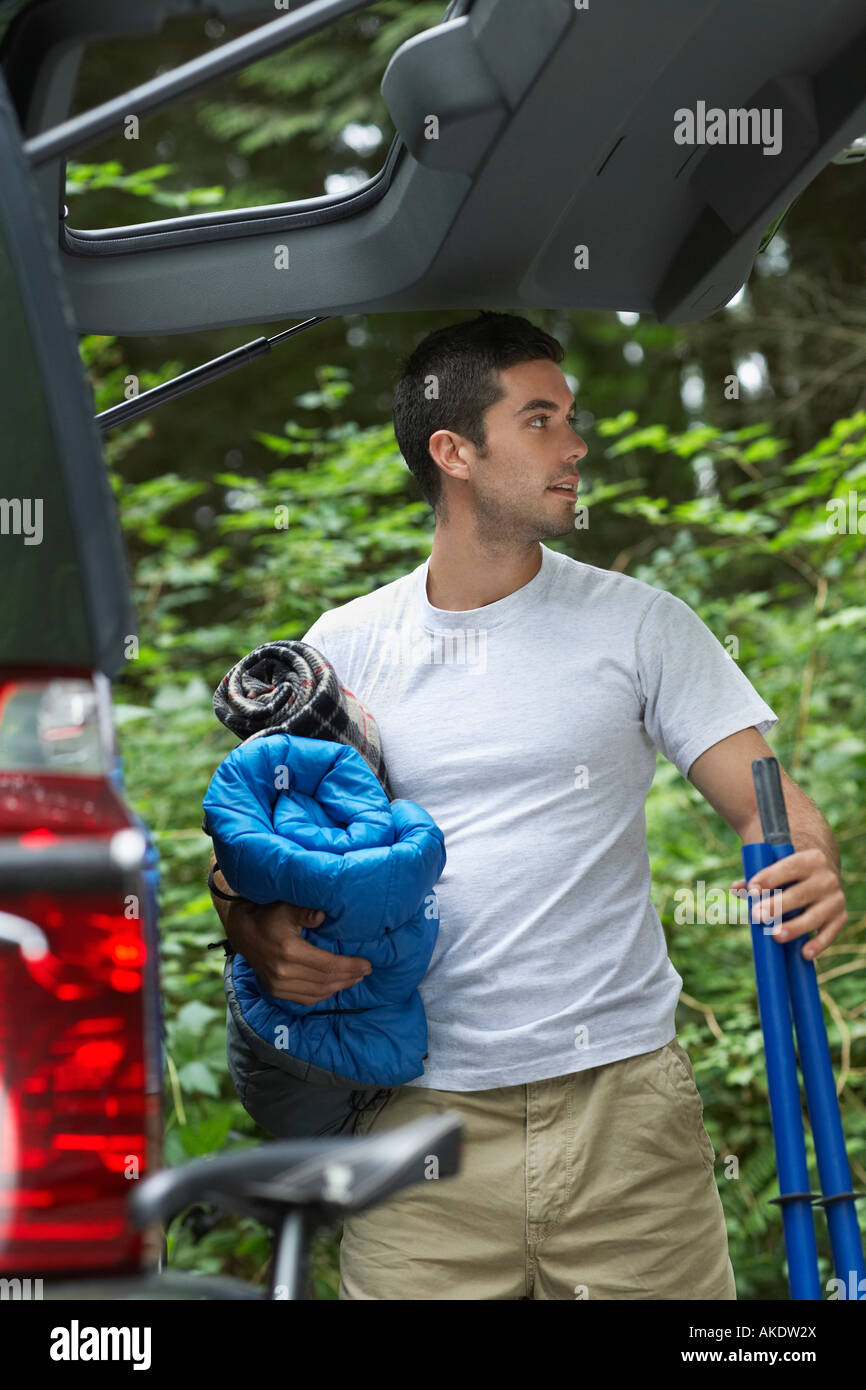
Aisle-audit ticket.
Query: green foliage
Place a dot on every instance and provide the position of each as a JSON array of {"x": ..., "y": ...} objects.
[
  {"x": 321, "y": 85},
  {"x": 141, "y": 183}
]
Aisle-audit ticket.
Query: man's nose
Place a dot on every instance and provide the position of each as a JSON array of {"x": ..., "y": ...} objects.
[{"x": 579, "y": 449}]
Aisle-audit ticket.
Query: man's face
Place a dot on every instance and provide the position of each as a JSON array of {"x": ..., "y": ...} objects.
[{"x": 531, "y": 448}]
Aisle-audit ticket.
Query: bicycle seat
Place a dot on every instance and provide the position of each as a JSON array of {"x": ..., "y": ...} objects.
[{"x": 335, "y": 1175}]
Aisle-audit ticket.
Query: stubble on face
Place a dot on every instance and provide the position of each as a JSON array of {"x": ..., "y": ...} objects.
[{"x": 505, "y": 521}]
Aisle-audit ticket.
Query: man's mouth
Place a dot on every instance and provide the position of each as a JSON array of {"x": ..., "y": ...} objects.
[{"x": 568, "y": 489}]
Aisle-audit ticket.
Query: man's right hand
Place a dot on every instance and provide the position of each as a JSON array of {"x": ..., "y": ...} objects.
[{"x": 269, "y": 937}]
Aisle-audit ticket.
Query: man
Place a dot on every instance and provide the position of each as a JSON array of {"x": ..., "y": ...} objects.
[{"x": 521, "y": 697}]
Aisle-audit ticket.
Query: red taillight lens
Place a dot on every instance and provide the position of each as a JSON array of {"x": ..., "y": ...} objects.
[
  {"x": 38, "y": 806},
  {"x": 76, "y": 1120},
  {"x": 79, "y": 1100}
]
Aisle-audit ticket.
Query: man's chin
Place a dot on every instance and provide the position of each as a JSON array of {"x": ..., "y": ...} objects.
[
  {"x": 550, "y": 527},
  {"x": 520, "y": 528}
]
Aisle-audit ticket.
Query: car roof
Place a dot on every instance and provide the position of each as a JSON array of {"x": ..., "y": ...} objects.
[{"x": 556, "y": 129}]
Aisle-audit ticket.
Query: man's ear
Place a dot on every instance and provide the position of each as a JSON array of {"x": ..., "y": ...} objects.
[{"x": 448, "y": 451}]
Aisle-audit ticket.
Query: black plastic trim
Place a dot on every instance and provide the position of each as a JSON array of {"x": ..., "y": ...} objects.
[{"x": 238, "y": 222}]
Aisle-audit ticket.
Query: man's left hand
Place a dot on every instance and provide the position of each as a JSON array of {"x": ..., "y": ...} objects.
[{"x": 813, "y": 885}]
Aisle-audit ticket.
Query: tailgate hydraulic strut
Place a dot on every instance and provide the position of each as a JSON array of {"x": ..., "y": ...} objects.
[{"x": 198, "y": 376}]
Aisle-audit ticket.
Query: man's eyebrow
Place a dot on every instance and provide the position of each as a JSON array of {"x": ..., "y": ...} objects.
[{"x": 540, "y": 404}]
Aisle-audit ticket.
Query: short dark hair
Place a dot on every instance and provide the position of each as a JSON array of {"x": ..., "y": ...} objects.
[{"x": 464, "y": 359}]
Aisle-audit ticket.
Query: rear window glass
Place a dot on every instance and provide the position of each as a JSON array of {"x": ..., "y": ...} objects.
[{"x": 304, "y": 123}]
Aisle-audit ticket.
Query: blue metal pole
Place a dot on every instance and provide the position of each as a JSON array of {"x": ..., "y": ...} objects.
[
  {"x": 824, "y": 1115},
  {"x": 784, "y": 1094}
]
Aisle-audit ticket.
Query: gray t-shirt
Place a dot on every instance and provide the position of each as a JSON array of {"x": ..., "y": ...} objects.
[{"x": 528, "y": 730}]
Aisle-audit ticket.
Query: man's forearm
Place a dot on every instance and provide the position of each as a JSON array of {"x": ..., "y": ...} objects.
[
  {"x": 221, "y": 907},
  {"x": 809, "y": 829}
]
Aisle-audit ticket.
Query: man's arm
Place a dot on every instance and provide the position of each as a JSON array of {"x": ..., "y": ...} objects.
[
  {"x": 723, "y": 775},
  {"x": 220, "y": 905},
  {"x": 269, "y": 937}
]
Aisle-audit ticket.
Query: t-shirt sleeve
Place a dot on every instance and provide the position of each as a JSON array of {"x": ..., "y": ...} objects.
[
  {"x": 695, "y": 693},
  {"x": 333, "y": 641}
]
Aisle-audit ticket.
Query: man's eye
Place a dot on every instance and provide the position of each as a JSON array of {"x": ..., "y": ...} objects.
[{"x": 569, "y": 420}]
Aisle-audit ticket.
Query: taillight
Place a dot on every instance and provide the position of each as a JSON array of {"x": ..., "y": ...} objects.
[{"x": 79, "y": 1100}]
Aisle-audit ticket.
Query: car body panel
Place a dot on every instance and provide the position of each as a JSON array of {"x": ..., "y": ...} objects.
[{"x": 66, "y": 577}]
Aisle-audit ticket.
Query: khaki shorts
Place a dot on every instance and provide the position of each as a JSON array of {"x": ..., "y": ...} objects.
[{"x": 595, "y": 1185}]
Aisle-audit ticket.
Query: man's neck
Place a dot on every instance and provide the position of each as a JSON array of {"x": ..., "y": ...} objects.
[{"x": 463, "y": 575}]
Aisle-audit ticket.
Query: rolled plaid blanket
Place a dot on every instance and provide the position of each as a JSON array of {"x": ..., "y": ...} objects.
[{"x": 290, "y": 687}]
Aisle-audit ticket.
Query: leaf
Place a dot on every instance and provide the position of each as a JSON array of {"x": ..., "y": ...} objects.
[
  {"x": 198, "y": 1076},
  {"x": 846, "y": 617},
  {"x": 651, "y": 436},
  {"x": 196, "y": 1016},
  {"x": 686, "y": 445},
  {"x": 207, "y": 1135},
  {"x": 617, "y": 424}
]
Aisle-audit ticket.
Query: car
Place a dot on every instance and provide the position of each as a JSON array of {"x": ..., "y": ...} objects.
[{"x": 541, "y": 143}]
